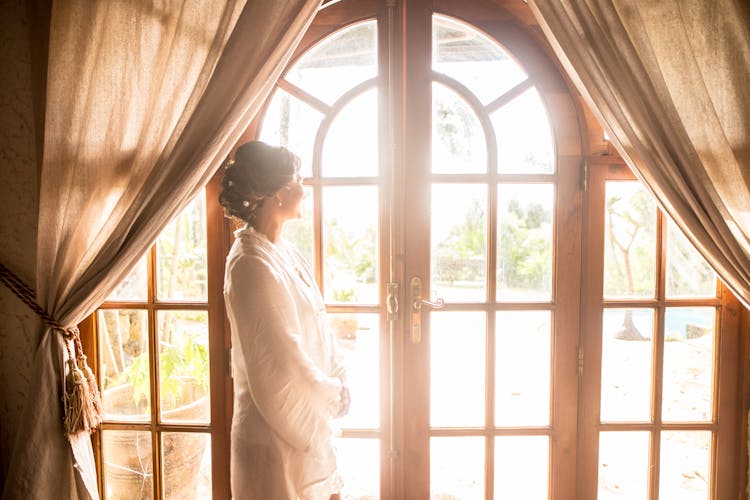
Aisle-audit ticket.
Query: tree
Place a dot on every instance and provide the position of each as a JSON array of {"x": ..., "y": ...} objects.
[
  {"x": 457, "y": 256},
  {"x": 524, "y": 255},
  {"x": 631, "y": 263}
]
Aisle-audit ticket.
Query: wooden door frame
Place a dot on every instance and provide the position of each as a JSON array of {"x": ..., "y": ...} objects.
[
  {"x": 404, "y": 465},
  {"x": 565, "y": 116}
]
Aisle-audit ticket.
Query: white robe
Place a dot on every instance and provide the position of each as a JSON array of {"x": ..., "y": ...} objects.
[{"x": 287, "y": 375}]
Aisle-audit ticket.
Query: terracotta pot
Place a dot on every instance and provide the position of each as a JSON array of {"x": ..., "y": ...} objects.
[{"x": 127, "y": 455}]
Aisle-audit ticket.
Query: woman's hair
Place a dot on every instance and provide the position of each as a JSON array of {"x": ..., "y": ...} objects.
[{"x": 257, "y": 172}]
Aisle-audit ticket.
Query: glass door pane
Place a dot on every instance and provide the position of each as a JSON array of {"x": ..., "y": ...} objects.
[
  {"x": 623, "y": 465},
  {"x": 325, "y": 110},
  {"x": 457, "y": 344},
  {"x": 521, "y": 467},
  {"x": 490, "y": 198}
]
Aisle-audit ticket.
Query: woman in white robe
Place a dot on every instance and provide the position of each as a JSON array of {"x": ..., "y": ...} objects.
[{"x": 288, "y": 379}]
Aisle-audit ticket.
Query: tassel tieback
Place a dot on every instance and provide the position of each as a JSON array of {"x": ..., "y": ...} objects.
[{"x": 82, "y": 402}]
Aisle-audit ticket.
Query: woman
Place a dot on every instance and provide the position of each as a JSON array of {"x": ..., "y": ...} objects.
[{"x": 288, "y": 380}]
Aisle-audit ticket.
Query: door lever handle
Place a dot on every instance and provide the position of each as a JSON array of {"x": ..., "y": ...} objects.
[
  {"x": 435, "y": 304},
  {"x": 415, "y": 285}
]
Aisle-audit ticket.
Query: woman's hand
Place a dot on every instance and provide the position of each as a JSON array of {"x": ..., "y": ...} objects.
[{"x": 345, "y": 401}]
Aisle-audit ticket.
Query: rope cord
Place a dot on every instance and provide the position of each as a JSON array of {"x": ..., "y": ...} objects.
[
  {"x": 82, "y": 405},
  {"x": 27, "y": 295}
]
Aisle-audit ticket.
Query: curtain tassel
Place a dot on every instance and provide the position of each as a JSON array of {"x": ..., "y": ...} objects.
[
  {"x": 81, "y": 399},
  {"x": 75, "y": 400}
]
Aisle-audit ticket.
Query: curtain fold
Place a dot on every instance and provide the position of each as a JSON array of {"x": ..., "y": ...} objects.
[
  {"x": 144, "y": 102},
  {"x": 668, "y": 82}
]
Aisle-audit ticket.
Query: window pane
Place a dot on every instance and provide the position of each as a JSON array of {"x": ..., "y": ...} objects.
[
  {"x": 524, "y": 254},
  {"x": 186, "y": 465},
  {"x": 299, "y": 232},
  {"x": 629, "y": 241},
  {"x": 350, "y": 243},
  {"x": 522, "y": 368},
  {"x": 627, "y": 348},
  {"x": 135, "y": 284},
  {"x": 521, "y": 467},
  {"x": 459, "y": 242},
  {"x": 688, "y": 273},
  {"x": 685, "y": 465},
  {"x": 351, "y": 145},
  {"x": 293, "y": 124},
  {"x": 183, "y": 366},
  {"x": 688, "y": 363},
  {"x": 339, "y": 62},
  {"x": 524, "y": 136},
  {"x": 457, "y": 374},
  {"x": 359, "y": 346},
  {"x": 181, "y": 255},
  {"x": 623, "y": 465},
  {"x": 470, "y": 57},
  {"x": 458, "y": 142},
  {"x": 456, "y": 468},
  {"x": 359, "y": 465},
  {"x": 124, "y": 363},
  {"x": 127, "y": 465}
]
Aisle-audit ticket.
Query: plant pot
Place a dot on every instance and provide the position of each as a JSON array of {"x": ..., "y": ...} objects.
[{"x": 127, "y": 455}]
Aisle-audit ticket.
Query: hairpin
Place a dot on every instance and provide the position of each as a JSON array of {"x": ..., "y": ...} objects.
[{"x": 245, "y": 203}]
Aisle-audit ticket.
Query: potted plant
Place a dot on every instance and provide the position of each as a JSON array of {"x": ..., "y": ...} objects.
[{"x": 183, "y": 382}]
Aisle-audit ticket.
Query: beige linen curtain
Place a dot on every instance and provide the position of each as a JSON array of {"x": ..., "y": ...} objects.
[
  {"x": 144, "y": 101},
  {"x": 668, "y": 80}
]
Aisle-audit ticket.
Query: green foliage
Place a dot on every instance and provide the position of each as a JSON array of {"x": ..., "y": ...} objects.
[
  {"x": 179, "y": 364},
  {"x": 182, "y": 258},
  {"x": 350, "y": 255},
  {"x": 137, "y": 376},
  {"x": 525, "y": 250},
  {"x": 456, "y": 128},
  {"x": 344, "y": 295},
  {"x": 460, "y": 257}
]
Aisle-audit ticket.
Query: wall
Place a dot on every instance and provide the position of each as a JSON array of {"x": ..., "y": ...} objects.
[{"x": 19, "y": 328}]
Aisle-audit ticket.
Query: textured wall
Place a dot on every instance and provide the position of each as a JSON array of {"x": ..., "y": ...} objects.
[{"x": 19, "y": 329}]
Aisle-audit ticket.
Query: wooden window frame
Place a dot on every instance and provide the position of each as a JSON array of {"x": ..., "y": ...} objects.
[
  {"x": 728, "y": 368},
  {"x": 217, "y": 233}
]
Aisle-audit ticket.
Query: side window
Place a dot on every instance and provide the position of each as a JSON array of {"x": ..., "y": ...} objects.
[
  {"x": 653, "y": 382},
  {"x": 153, "y": 358}
]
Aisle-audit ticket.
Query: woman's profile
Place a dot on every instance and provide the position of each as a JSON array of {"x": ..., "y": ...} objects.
[{"x": 288, "y": 380}]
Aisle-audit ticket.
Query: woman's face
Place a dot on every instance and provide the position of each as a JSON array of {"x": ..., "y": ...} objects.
[{"x": 291, "y": 198}]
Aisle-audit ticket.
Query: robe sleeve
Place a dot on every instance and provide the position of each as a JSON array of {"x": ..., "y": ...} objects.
[{"x": 293, "y": 395}]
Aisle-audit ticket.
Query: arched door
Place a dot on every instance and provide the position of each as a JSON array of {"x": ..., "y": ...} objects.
[{"x": 442, "y": 162}]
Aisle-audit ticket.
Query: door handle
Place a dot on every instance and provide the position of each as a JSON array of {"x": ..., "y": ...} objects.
[{"x": 415, "y": 285}]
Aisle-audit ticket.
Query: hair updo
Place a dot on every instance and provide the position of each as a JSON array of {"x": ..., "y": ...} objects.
[{"x": 257, "y": 172}]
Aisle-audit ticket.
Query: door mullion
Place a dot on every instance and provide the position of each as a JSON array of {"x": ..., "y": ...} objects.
[
  {"x": 417, "y": 103},
  {"x": 393, "y": 474}
]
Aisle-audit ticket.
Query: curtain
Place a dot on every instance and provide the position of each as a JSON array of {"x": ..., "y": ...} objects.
[
  {"x": 144, "y": 102},
  {"x": 668, "y": 82}
]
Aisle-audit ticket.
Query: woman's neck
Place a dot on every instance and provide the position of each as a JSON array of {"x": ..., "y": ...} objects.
[{"x": 268, "y": 226}]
